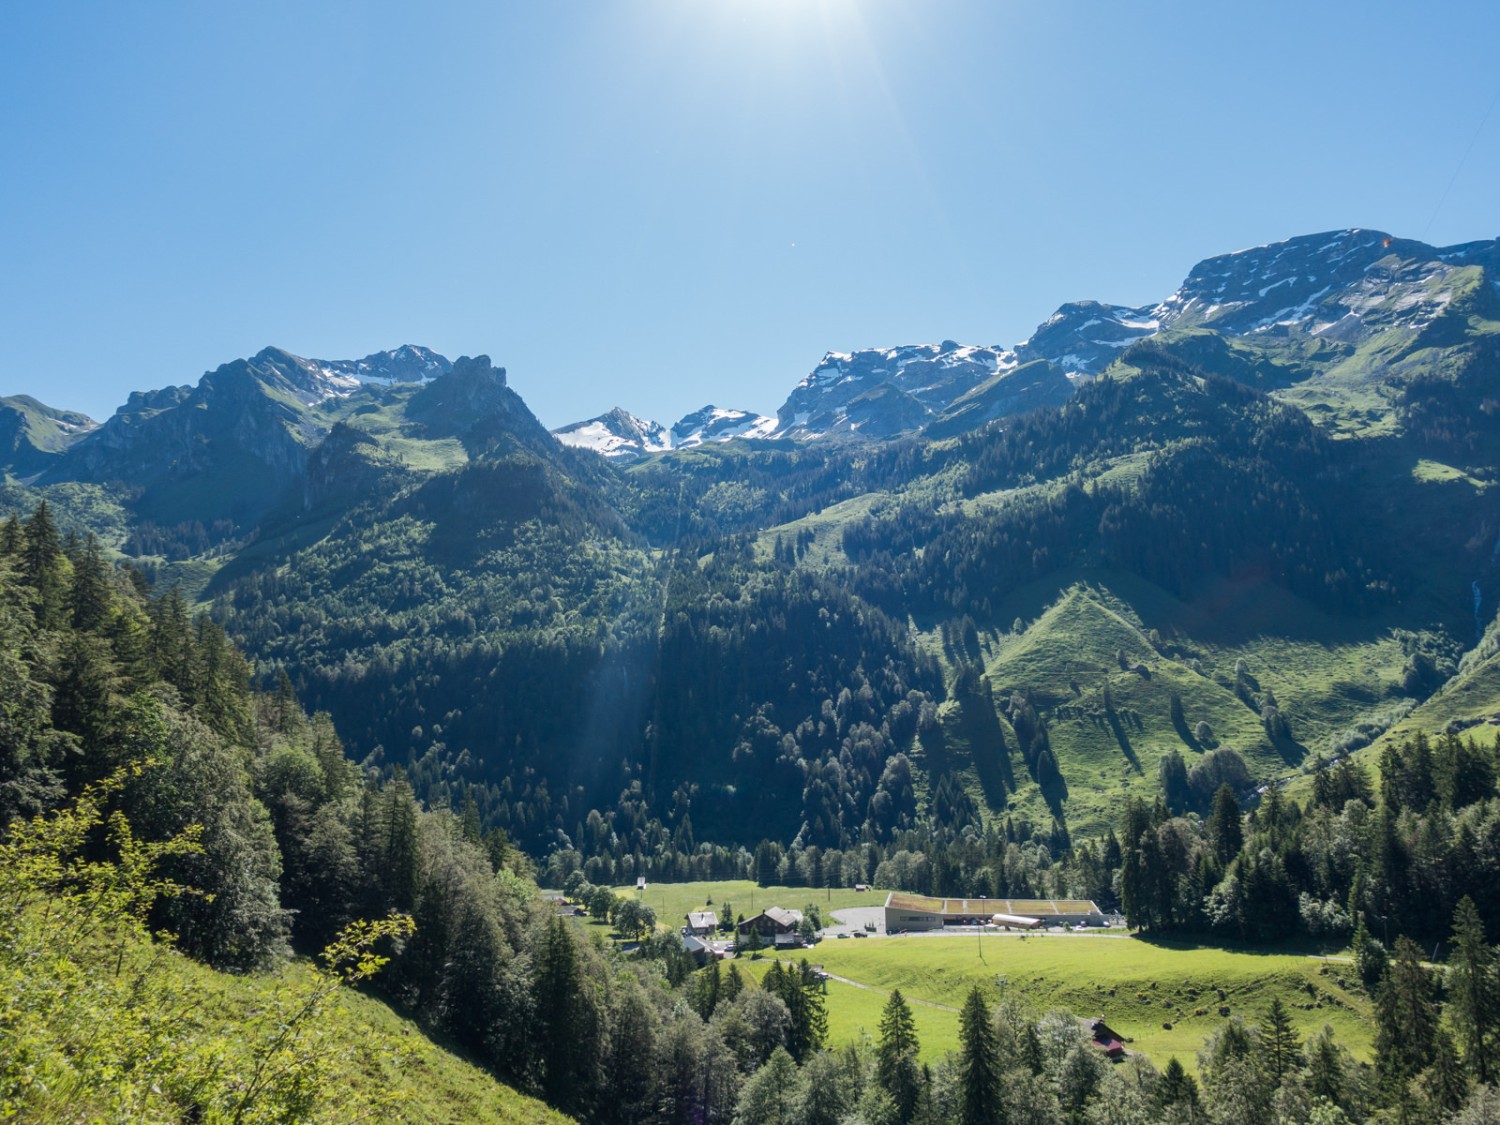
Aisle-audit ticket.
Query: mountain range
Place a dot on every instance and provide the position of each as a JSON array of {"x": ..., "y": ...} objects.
[
  {"x": 1341, "y": 288},
  {"x": 1257, "y": 515}
]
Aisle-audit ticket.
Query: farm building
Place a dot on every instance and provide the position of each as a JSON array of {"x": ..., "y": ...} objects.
[
  {"x": 917, "y": 912},
  {"x": 1107, "y": 1040},
  {"x": 772, "y": 921}
]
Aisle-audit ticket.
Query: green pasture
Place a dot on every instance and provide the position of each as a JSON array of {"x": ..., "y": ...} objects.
[
  {"x": 854, "y": 1013},
  {"x": 672, "y": 901},
  {"x": 1138, "y": 986}
]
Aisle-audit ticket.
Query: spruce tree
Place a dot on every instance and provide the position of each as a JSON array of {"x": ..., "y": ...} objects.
[
  {"x": 1225, "y": 834},
  {"x": 896, "y": 1056},
  {"x": 1279, "y": 1042},
  {"x": 732, "y": 985},
  {"x": 1406, "y": 1018},
  {"x": 978, "y": 1064},
  {"x": 1176, "y": 1087},
  {"x": 1473, "y": 989},
  {"x": 566, "y": 1039},
  {"x": 1444, "y": 1085},
  {"x": 89, "y": 597},
  {"x": 42, "y": 567},
  {"x": 772, "y": 1095}
]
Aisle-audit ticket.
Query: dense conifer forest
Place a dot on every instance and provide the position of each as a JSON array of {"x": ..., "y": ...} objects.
[{"x": 149, "y": 788}]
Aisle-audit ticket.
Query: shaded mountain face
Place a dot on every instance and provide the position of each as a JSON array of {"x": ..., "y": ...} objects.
[
  {"x": 236, "y": 440},
  {"x": 271, "y": 430}
]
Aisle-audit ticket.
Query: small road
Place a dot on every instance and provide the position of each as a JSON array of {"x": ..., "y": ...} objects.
[{"x": 883, "y": 992}]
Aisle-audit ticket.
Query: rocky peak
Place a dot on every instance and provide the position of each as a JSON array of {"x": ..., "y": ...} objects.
[{"x": 616, "y": 433}]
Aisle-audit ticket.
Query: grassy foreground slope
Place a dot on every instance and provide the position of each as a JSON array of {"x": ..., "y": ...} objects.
[
  {"x": 1138, "y": 986},
  {"x": 379, "y": 1051},
  {"x": 369, "y": 1059}
]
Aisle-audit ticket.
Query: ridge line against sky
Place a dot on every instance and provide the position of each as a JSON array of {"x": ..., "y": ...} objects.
[{"x": 659, "y": 204}]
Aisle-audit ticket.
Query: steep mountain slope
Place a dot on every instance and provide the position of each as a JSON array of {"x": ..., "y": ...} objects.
[
  {"x": 1263, "y": 505},
  {"x": 33, "y": 435},
  {"x": 913, "y": 384}
]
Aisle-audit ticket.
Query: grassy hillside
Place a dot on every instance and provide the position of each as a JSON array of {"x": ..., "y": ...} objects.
[
  {"x": 368, "y": 1058},
  {"x": 1138, "y": 986}
]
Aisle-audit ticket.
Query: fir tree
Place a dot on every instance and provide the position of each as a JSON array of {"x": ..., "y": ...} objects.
[
  {"x": 1473, "y": 989},
  {"x": 1406, "y": 1019},
  {"x": 1279, "y": 1042},
  {"x": 979, "y": 1064},
  {"x": 1225, "y": 834},
  {"x": 896, "y": 1056},
  {"x": 1177, "y": 1088}
]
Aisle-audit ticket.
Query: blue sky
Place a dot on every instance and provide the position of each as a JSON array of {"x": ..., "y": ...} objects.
[{"x": 665, "y": 203}]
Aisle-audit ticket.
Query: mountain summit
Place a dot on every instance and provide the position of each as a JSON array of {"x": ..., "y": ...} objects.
[{"x": 1330, "y": 291}]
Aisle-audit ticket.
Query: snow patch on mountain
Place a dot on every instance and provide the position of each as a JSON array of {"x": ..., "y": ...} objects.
[
  {"x": 714, "y": 423},
  {"x": 410, "y": 363},
  {"x": 617, "y": 434},
  {"x": 620, "y": 434}
]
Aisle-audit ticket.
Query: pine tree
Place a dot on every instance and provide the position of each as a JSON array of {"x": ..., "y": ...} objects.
[
  {"x": 896, "y": 1056},
  {"x": 1279, "y": 1042},
  {"x": 1176, "y": 1087},
  {"x": 772, "y": 1094},
  {"x": 42, "y": 566},
  {"x": 1473, "y": 989},
  {"x": 89, "y": 597},
  {"x": 1406, "y": 1018},
  {"x": 1444, "y": 1085},
  {"x": 978, "y": 1064},
  {"x": 1225, "y": 833}
]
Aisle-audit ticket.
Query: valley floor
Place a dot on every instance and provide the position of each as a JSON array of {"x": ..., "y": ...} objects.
[{"x": 1166, "y": 997}]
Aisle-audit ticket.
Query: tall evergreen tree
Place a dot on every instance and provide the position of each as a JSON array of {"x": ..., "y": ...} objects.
[
  {"x": 42, "y": 566},
  {"x": 1444, "y": 1084},
  {"x": 979, "y": 1064},
  {"x": 89, "y": 596},
  {"x": 1406, "y": 1019},
  {"x": 772, "y": 1096},
  {"x": 566, "y": 1039},
  {"x": 1226, "y": 835},
  {"x": 1279, "y": 1042},
  {"x": 1177, "y": 1092},
  {"x": 896, "y": 1066},
  {"x": 1473, "y": 989}
]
